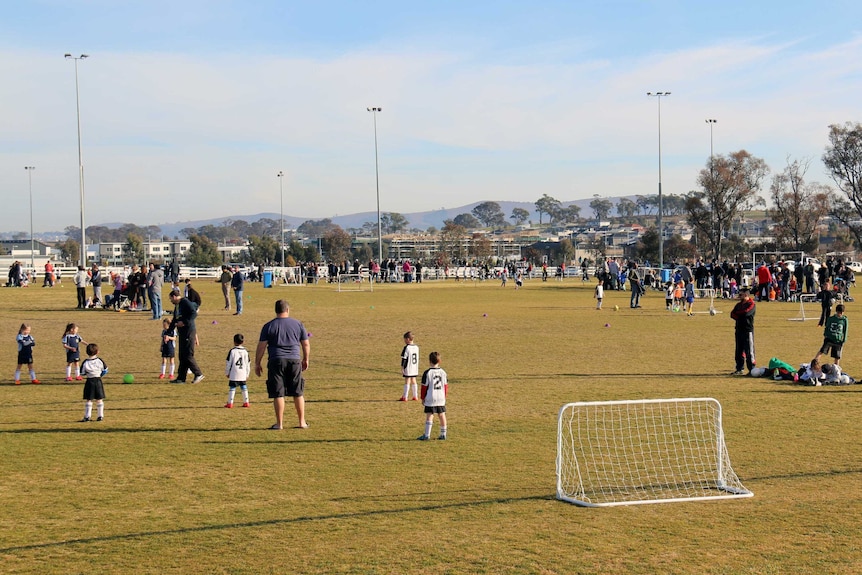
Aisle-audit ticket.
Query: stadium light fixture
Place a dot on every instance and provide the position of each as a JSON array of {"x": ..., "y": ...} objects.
[
  {"x": 658, "y": 96},
  {"x": 80, "y": 159},
  {"x": 374, "y": 111}
]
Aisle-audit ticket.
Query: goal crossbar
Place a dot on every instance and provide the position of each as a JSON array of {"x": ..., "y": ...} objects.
[{"x": 643, "y": 451}]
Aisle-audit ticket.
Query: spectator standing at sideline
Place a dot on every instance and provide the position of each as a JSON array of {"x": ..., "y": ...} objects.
[
  {"x": 155, "y": 282},
  {"x": 96, "y": 281},
  {"x": 225, "y": 281},
  {"x": 81, "y": 287},
  {"x": 286, "y": 343},
  {"x": 743, "y": 315}
]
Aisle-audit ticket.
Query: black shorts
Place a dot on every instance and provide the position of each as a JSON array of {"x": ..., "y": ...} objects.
[
  {"x": 435, "y": 409},
  {"x": 73, "y": 356},
  {"x": 93, "y": 389},
  {"x": 833, "y": 349},
  {"x": 25, "y": 356},
  {"x": 239, "y": 384},
  {"x": 284, "y": 378}
]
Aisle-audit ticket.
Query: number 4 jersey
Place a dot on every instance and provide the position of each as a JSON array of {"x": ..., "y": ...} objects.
[{"x": 238, "y": 367}]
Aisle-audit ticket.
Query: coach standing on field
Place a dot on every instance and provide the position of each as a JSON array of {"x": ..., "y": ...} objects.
[
  {"x": 289, "y": 350},
  {"x": 743, "y": 314}
]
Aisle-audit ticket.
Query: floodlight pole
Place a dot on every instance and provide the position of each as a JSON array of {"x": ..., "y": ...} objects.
[
  {"x": 280, "y": 176},
  {"x": 658, "y": 96},
  {"x": 32, "y": 242},
  {"x": 374, "y": 111},
  {"x": 83, "y": 261}
]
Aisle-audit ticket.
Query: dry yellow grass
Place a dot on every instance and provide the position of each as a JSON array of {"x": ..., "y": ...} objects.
[{"x": 171, "y": 482}]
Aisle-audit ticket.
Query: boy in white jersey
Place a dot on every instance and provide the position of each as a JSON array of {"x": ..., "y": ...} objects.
[
  {"x": 237, "y": 369},
  {"x": 435, "y": 385},
  {"x": 410, "y": 366}
]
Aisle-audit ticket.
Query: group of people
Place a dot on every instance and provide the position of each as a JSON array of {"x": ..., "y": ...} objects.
[
  {"x": 134, "y": 289},
  {"x": 232, "y": 278}
]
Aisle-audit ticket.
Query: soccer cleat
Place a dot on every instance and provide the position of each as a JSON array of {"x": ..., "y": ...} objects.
[
  {"x": 161, "y": 376},
  {"x": 68, "y": 379},
  {"x": 17, "y": 382},
  {"x": 84, "y": 420},
  {"x": 245, "y": 404},
  {"x": 34, "y": 381},
  {"x": 737, "y": 372},
  {"x": 415, "y": 399},
  {"x": 198, "y": 378},
  {"x": 228, "y": 405},
  {"x": 99, "y": 418},
  {"x": 178, "y": 381},
  {"x": 442, "y": 437},
  {"x": 423, "y": 438},
  {"x": 78, "y": 378},
  {"x": 403, "y": 399}
]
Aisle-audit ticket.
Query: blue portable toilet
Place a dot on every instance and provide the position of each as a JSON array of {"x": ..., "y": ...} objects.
[
  {"x": 665, "y": 275},
  {"x": 267, "y": 278}
]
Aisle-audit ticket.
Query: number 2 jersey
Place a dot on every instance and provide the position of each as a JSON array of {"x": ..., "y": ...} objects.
[
  {"x": 237, "y": 367},
  {"x": 434, "y": 387}
]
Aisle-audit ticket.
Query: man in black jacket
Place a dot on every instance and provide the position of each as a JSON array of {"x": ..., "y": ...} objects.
[
  {"x": 185, "y": 312},
  {"x": 743, "y": 314}
]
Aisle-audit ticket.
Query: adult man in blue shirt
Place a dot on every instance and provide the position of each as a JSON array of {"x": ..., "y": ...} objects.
[{"x": 286, "y": 342}]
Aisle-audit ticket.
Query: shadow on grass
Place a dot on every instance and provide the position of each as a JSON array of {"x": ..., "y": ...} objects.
[
  {"x": 273, "y": 522},
  {"x": 805, "y": 475}
]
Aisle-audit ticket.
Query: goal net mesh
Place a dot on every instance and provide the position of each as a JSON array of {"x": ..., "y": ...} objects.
[{"x": 643, "y": 451}]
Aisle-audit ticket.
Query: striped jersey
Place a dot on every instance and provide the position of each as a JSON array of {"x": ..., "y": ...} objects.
[{"x": 237, "y": 367}]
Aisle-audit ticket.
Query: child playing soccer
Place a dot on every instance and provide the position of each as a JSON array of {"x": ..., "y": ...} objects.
[
  {"x": 669, "y": 290},
  {"x": 168, "y": 348},
  {"x": 94, "y": 369},
  {"x": 410, "y": 366},
  {"x": 237, "y": 371},
  {"x": 71, "y": 343},
  {"x": 435, "y": 386},
  {"x": 834, "y": 335},
  {"x": 600, "y": 293},
  {"x": 25, "y": 353},
  {"x": 689, "y": 297}
]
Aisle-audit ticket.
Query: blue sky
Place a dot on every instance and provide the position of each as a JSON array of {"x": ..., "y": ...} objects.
[{"x": 190, "y": 108}]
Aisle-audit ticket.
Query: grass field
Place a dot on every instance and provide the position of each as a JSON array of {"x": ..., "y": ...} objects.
[{"x": 171, "y": 482}]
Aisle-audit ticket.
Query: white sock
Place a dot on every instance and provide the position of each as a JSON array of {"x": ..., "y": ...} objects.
[
  {"x": 406, "y": 390},
  {"x": 428, "y": 425},
  {"x": 245, "y": 394},
  {"x": 231, "y": 394},
  {"x": 163, "y": 369},
  {"x": 100, "y": 408},
  {"x": 88, "y": 409},
  {"x": 416, "y": 391},
  {"x": 68, "y": 371},
  {"x": 77, "y": 370},
  {"x": 32, "y": 374},
  {"x": 442, "y": 432},
  {"x": 17, "y": 374}
]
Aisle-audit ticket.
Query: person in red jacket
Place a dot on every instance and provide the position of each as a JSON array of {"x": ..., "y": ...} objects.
[{"x": 743, "y": 315}]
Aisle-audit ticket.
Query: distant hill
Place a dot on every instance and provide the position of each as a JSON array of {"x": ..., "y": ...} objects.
[{"x": 420, "y": 220}]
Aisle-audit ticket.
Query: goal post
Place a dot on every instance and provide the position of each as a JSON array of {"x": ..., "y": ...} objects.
[
  {"x": 643, "y": 451},
  {"x": 354, "y": 282}
]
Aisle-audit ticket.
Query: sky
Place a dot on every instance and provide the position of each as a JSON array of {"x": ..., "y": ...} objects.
[{"x": 190, "y": 108}]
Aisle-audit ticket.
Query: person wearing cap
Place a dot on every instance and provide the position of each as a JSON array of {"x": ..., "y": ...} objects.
[{"x": 743, "y": 315}]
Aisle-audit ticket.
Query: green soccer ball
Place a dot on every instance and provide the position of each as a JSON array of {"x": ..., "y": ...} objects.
[{"x": 128, "y": 378}]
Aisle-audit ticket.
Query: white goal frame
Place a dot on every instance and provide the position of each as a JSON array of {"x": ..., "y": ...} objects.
[
  {"x": 643, "y": 451},
  {"x": 354, "y": 282}
]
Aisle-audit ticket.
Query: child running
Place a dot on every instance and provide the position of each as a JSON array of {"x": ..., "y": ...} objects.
[
  {"x": 25, "y": 353},
  {"x": 410, "y": 366},
  {"x": 435, "y": 386},
  {"x": 237, "y": 371},
  {"x": 71, "y": 343},
  {"x": 168, "y": 348},
  {"x": 94, "y": 369}
]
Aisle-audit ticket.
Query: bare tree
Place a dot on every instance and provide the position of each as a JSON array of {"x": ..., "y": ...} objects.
[
  {"x": 843, "y": 159},
  {"x": 729, "y": 186},
  {"x": 797, "y": 206}
]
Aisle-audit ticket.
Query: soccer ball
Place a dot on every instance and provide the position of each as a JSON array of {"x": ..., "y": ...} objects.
[
  {"x": 128, "y": 378},
  {"x": 712, "y": 311},
  {"x": 757, "y": 372}
]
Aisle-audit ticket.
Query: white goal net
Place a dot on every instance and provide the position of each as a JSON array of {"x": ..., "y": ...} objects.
[
  {"x": 643, "y": 451},
  {"x": 354, "y": 282}
]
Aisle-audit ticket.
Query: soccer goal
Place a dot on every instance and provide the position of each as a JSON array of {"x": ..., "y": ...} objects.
[
  {"x": 643, "y": 451},
  {"x": 801, "y": 316},
  {"x": 354, "y": 282},
  {"x": 707, "y": 293}
]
